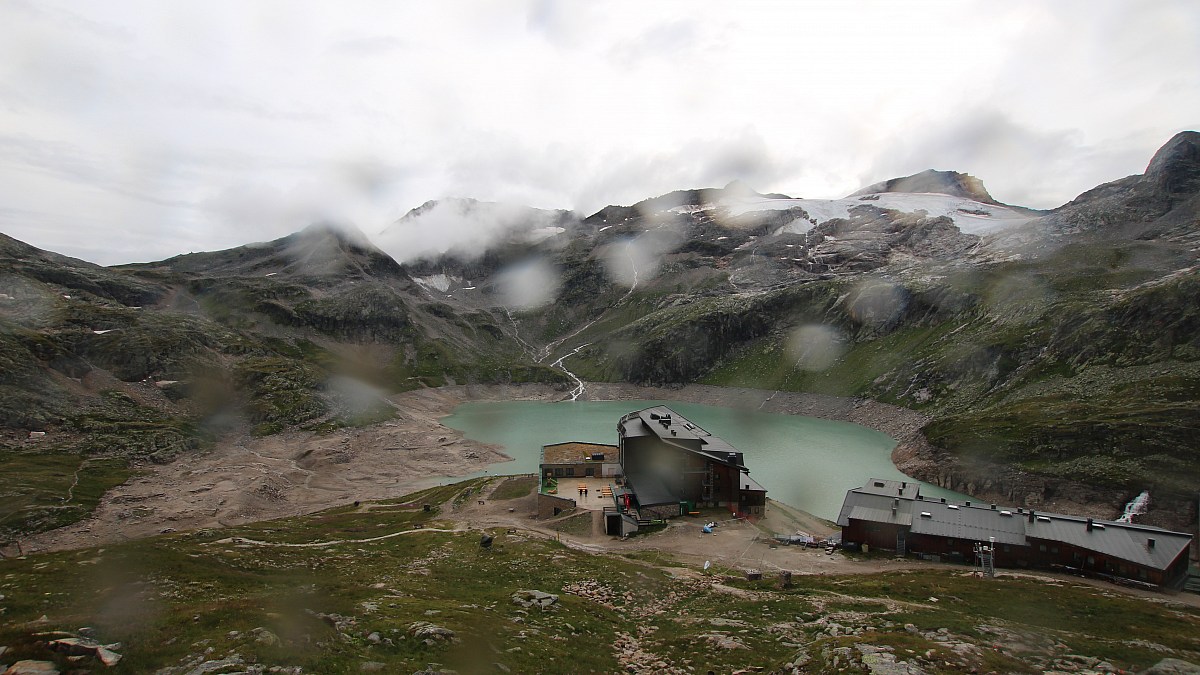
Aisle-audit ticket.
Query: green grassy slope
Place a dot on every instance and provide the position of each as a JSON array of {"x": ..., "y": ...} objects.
[{"x": 190, "y": 598}]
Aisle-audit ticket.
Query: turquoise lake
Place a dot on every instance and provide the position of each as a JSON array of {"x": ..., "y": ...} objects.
[{"x": 805, "y": 462}]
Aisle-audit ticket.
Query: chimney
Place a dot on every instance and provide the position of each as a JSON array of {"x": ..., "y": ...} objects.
[
  {"x": 895, "y": 504},
  {"x": 1031, "y": 515},
  {"x": 966, "y": 503},
  {"x": 993, "y": 507},
  {"x": 900, "y": 491},
  {"x": 943, "y": 500},
  {"x": 1089, "y": 524},
  {"x": 904, "y": 484},
  {"x": 1150, "y": 543}
]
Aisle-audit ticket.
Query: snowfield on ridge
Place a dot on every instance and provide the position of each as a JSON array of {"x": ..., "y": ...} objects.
[{"x": 970, "y": 216}]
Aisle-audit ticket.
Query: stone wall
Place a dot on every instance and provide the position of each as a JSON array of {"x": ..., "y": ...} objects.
[
  {"x": 662, "y": 512},
  {"x": 548, "y": 503}
]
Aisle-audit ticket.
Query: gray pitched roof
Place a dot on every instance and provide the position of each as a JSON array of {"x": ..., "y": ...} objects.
[
  {"x": 892, "y": 488},
  {"x": 747, "y": 483},
  {"x": 874, "y": 508},
  {"x": 967, "y": 522},
  {"x": 1126, "y": 541},
  {"x": 651, "y": 490},
  {"x": 672, "y": 428},
  {"x": 885, "y": 504}
]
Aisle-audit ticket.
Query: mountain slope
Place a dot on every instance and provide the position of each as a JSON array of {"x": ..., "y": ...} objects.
[
  {"x": 1065, "y": 372},
  {"x": 1057, "y": 353},
  {"x": 145, "y": 362}
]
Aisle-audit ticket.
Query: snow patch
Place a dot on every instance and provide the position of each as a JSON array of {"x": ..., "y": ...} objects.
[
  {"x": 970, "y": 216},
  {"x": 439, "y": 282},
  {"x": 541, "y": 233}
]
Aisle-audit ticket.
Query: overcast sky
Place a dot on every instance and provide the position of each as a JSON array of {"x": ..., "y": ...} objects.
[{"x": 132, "y": 131}]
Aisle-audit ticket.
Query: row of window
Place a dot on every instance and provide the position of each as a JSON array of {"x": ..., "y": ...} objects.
[{"x": 569, "y": 472}]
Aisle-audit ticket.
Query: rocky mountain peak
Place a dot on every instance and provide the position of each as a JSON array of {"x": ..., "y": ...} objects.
[
  {"x": 950, "y": 183},
  {"x": 1176, "y": 165}
]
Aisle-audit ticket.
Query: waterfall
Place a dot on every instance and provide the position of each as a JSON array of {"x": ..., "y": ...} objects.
[{"x": 1136, "y": 507}]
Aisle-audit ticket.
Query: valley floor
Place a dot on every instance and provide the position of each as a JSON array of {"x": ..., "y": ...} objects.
[{"x": 246, "y": 479}]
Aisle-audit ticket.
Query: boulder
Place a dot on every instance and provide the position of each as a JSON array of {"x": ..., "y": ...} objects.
[
  {"x": 267, "y": 638},
  {"x": 530, "y": 599},
  {"x": 423, "y": 630},
  {"x": 32, "y": 668},
  {"x": 1172, "y": 667},
  {"x": 82, "y": 646}
]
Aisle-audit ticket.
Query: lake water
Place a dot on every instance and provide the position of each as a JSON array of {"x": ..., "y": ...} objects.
[{"x": 805, "y": 462}]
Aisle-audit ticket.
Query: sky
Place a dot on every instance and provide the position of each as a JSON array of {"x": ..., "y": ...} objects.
[{"x": 132, "y": 131}]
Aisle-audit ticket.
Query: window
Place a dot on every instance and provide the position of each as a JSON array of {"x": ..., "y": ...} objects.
[{"x": 1042, "y": 548}]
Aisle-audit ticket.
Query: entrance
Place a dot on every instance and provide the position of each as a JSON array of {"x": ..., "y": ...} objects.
[{"x": 612, "y": 524}]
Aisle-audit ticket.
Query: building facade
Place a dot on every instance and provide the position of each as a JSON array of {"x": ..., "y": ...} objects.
[
  {"x": 672, "y": 466},
  {"x": 580, "y": 460},
  {"x": 895, "y": 516}
]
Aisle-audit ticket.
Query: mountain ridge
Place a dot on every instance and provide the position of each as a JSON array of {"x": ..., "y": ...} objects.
[{"x": 1062, "y": 345}]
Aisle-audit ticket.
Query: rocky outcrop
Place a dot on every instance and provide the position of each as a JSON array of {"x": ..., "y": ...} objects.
[
  {"x": 950, "y": 183},
  {"x": 535, "y": 599},
  {"x": 1160, "y": 202},
  {"x": 1002, "y": 484}
]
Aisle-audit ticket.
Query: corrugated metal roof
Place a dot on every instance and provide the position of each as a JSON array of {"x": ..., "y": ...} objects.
[
  {"x": 748, "y": 483},
  {"x": 1125, "y": 541},
  {"x": 1120, "y": 540},
  {"x": 681, "y": 433},
  {"x": 874, "y": 508},
  {"x": 892, "y": 488},
  {"x": 634, "y": 427},
  {"x": 966, "y": 522},
  {"x": 651, "y": 490}
]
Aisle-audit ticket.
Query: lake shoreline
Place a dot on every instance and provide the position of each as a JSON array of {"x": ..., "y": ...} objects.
[
  {"x": 247, "y": 479},
  {"x": 901, "y": 424}
]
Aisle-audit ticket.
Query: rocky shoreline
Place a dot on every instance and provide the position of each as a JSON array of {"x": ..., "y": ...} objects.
[
  {"x": 250, "y": 479},
  {"x": 913, "y": 455}
]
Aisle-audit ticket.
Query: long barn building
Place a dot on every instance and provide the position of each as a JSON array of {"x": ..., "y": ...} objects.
[{"x": 895, "y": 516}]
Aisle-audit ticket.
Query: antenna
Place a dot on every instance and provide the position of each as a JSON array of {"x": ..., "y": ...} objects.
[{"x": 985, "y": 558}]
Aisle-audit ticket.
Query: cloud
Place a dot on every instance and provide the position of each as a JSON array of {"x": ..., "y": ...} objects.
[
  {"x": 625, "y": 178},
  {"x": 165, "y": 127},
  {"x": 465, "y": 227},
  {"x": 1019, "y": 164},
  {"x": 528, "y": 285},
  {"x": 677, "y": 39}
]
